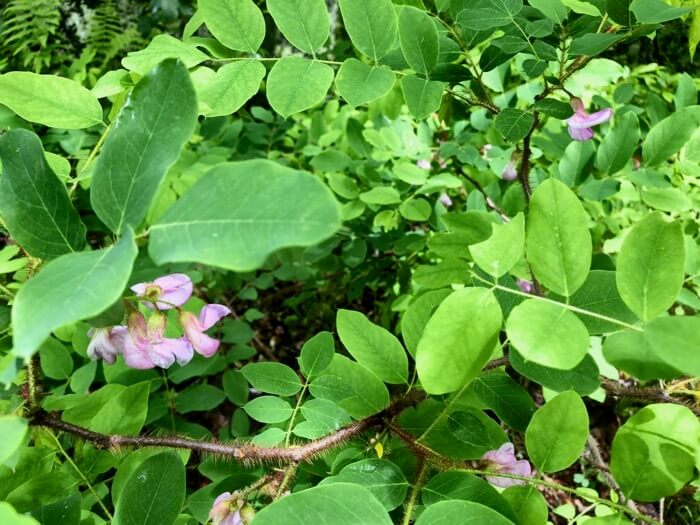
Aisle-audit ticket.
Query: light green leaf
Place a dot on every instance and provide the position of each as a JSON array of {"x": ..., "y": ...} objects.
[
  {"x": 547, "y": 334},
  {"x": 582, "y": 7},
  {"x": 632, "y": 352},
  {"x": 514, "y": 124},
  {"x": 669, "y": 135},
  {"x": 656, "y": 11},
  {"x": 231, "y": 87},
  {"x": 237, "y": 24},
  {"x": 619, "y": 144},
  {"x": 528, "y": 504},
  {"x": 557, "y": 434},
  {"x": 676, "y": 341},
  {"x": 592, "y": 44},
  {"x": 419, "y": 40},
  {"x": 654, "y": 453},
  {"x": 113, "y": 408},
  {"x": 272, "y": 378},
  {"x": 13, "y": 429},
  {"x": 161, "y": 48},
  {"x": 296, "y": 84},
  {"x": 500, "y": 252},
  {"x": 359, "y": 83},
  {"x": 458, "y": 340},
  {"x": 650, "y": 266},
  {"x": 489, "y": 14},
  {"x": 239, "y": 213},
  {"x": 154, "y": 492},
  {"x": 417, "y": 315},
  {"x": 316, "y": 354},
  {"x": 268, "y": 409},
  {"x": 458, "y": 512},
  {"x": 422, "y": 96},
  {"x": 598, "y": 294},
  {"x": 50, "y": 100},
  {"x": 199, "y": 398},
  {"x": 34, "y": 204},
  {"x": 9, "y": 516},
  {"x": 373, "y": 346},
  {"x": 303, "y": 22},
  {"x": 382, "y": 478},
  {"x": 372, "y": 26},
  {"x": 559, "y": 247},
  {"x": 381, "y": 195},
  {"x": 73, "y": 287},
  {"x": 146, "y": 140},
  {"x": 336, "y": 503},
  {"x": 552, "y": 9}
]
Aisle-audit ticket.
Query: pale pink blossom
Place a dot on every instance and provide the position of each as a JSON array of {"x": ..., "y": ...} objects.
[
  {"x": 145, "y": 344},
  {"x": 445, "y": 200},
  {"x": 106, "y": 343},
  {"x": 423, "y": 164},
  {"x": 509, "y": 172},
  {"x": 166, "y": 292},
  {"x": 195, "y": 327},
  {"x": 581, "y": 123},
  {"x": 226, "y": 510},
  {"x": 503, "y": 460},
  {"x": 525, "y": 286}
]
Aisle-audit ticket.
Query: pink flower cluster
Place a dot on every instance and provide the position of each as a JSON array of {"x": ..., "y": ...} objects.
[
  {"x": 503, "y": 460},
  {"x": 142, "y": 341},
  {"x": 228, "y": 509}
]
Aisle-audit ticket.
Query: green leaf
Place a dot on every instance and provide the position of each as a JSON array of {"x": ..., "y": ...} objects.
[
  {"x": 316, "y": 354},
  {"x": 359, "y": 83},
  {"x": 422, "y": 96},
  {"x": 547, "y": 334},
  {"x": 632, "y": 352},
  {"x": 669, "y": 135},
  {"x": 455, "y": 485},
  {"x": 487, "y": 14},
  {"x": 650, "y": 266},
  {"x": 373, "y": 346},
  {"x": 34, "y": 204},
  {"x": 272, "y": 378},
  {"x": 63, "y": 511},
  {"x": 39, "y": 490},
  {"x": 303, "y": 22},
  {"x": 372, "y": 26},
  {"x": 528, "y": 504},
  {"x": 235, "y": 387},
  {"x": 513, "y": 124},
  {"x": 417, "y": 316},
  {"x": 554, "y": 108},
  {"x": 381, "y": 195},
  {"x": 112, "y": 409},
  {"x": 654, "y": 453},
  {"x": 458, "y": 512},
  {"x": 13, "y": 430},
  {"x": 199, "y": 398},
  {"x": 9, "y": 516},
  {"x": 619, "y": 144},
  {"x": 558, "y": 242},
  {"x": 296, "y": 84},
  {"x": 268, "y": 409},
  {"x": 592, "y": 44},
  {"x": 356, "y": 389},
  {"x": 50, "y": 100},
  {"x": 446, "y": 273},
  {"x": 676, "y": 341},
  {"x": 582, "y": 379},
  {"x": 656, "y": 11},
  {"x": 161, "y": 48},
  {"x": 418, "y": 37},
  {"x": 500, "y": 252},
  {"x": 154, "y": 493},
  {"x": 598, "y": 294},
  {"x": 336, "y": 503},
  {"x": 239, "y": 213},
  {"x": 231, "y": 87},
  {"x": 71, "y": 288},
  {"x": 382, "y": 478},
  {"x": 237, "y": 24},
  {"x": 56, "y": 361},
  {"x": 146, "y": 140},
  {"x": 321, "y": 417},
  {"x": 471, "y": 428},
  {"x": 458, "y": 340},
  {"x": 552, "y": 9},
  {"x": 582, "y": 7},
  {"x": 511, "y": 402},
  {"x": 557, "y": 434}
]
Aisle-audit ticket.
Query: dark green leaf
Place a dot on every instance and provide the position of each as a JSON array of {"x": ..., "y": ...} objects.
[
  {"x": 511, "y": 402},
  {"x": 513, "y": 124},
  {"x": 582, "y": 379},
  {"x": 272, "y": 378}
]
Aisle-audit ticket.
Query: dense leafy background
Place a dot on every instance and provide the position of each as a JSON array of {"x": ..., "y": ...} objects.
[{"x": 414, "y": 250}]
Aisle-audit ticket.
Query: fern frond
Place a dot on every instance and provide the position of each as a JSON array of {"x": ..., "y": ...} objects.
[{"x": 26, "y": 28}]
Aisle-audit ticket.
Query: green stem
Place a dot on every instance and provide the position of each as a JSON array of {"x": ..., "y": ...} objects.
[
  {"x": 445, "y": 411},
  {"x": 421, "y": 474},
  {"x": 288, "y": 434},
  {"x": 91, "y": 157}
]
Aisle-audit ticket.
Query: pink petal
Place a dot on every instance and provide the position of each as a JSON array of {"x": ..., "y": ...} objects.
[
  {"x": 509, "y": 172},
  {"x": 577, "y": 104},
  {"x": 211, "y": 313},
  {"x": 521, "y": 467},
  {"x": 136, "y": 354},
  {"x": 160, "y": 354},
  {"x": 504, "y": 455},
  {"x": 203, "y": 344},
  {"x": 582, "y": 119},
  {"x": 140, "y": 288},
  {"x": 581, "y": 134},
  {"x": 423, "y": 164},
  {"x": 177, "y": 289},
  {"x": 180, "y": 349},
  {"x": 103, "y": 345},
  {"x": 233, "y": 519}
]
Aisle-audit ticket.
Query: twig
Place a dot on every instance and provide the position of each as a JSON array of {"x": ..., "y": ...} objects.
[
  {"x": 421, "y": 474},
  {"x": 480, "y": 189}
]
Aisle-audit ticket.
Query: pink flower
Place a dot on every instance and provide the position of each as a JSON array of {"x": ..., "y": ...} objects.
[
  {"x": 503, "y": 460},
  {"x": 581, "y": 123},
  {"x": 106, "y": 343},
  {"x": 525, "y": 286},
  {"x": 222, "y": 511},
  {"x": 509, "y": 172},
  {"x": 423, "y": 164},
  {"x": 167, "y": 292},
  {"x": 194, "y": 328},
  {"x": 146, "y": 347},
  {"x": 445, "y": 200}
]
